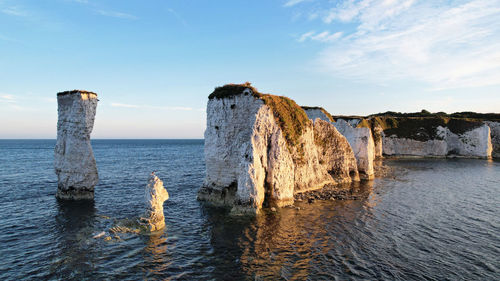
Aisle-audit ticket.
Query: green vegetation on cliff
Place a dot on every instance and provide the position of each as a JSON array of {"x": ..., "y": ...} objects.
[
  {"x": 289, "y": 116},
  {"x": 421, "y": 125}
]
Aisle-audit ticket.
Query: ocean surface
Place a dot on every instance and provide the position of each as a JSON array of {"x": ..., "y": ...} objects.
[{"x": 429, "y": 219}]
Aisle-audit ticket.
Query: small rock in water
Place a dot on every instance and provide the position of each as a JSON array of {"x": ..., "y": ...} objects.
[
  {"x": 273, "y": 209},
  {"x": 155, "y": 195},
  {"x": 108, "y": 238},
  {"x": 99, "y": 235}
]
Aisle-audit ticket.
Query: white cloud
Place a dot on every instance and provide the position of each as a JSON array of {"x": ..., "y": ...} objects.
[
  {"x": 116, "y": 14},
  {"x": 445, "y": 44},
  {"x": 324, "y": 36},
  {"x": 173, "y": 108}
]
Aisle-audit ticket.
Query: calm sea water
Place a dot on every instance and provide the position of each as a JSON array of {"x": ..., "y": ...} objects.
[{"x": 431, "y": 220}]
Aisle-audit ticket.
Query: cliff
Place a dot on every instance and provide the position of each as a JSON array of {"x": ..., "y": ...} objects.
[
  {"x": 75, "y": 165},
  {"x": 261, "y": 149},
  {"x": 427, "y": 134},
  {"x": 360, "y": 139}
]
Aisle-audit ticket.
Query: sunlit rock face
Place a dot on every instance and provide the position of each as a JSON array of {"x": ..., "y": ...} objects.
[
  {"x": 495, "y": 138},
  {"x": 75, "y": 165},
  {"x": 155, "y": 195},
  {"x": 249, "y": 160},
  {"x": 377, "y": 133},
  {"x": 361, "y": 141},
  {"x": 335, "y": 152}
]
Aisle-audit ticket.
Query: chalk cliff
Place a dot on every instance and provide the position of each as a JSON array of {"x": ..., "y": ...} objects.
[
  {"x": 75, "y": 165},
  {"x": 360, "y": 139},
  {"x": 495, "y": 137},
  {"x": 155, "y": 195},
  {"x": 362, "y": 144},
  {"x": 261, "y": 150},
  {"x": 435, "y": 136}
]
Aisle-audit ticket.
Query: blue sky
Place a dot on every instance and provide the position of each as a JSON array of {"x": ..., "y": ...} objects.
[{"x": 153, "y": 63}]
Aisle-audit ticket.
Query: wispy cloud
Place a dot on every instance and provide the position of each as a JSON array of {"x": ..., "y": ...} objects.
[
  {"x": 15, "y": 11},
  {"x": 324, "y": 36},
  {"x": 174, "y": 108},
  {"x": 291, "y": 3},
  {"x": 446, "y": 44},
  {"x": 116, "y": 14},
  {"x": 179, "y": 17},
  {"x": 4, "y": 98}
]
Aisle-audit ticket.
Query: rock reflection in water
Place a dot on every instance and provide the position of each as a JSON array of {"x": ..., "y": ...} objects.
[
  {"x": 75, "y": 222},
  {"x": 290, "y": 243}
]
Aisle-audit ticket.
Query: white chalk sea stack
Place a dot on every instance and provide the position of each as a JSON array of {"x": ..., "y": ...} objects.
[
  {"x": 75, "y": 164},
  {"x": 360, "y": 140},
  {"x": 155, "y": 194},
  {"x": 260, "y": 150}
]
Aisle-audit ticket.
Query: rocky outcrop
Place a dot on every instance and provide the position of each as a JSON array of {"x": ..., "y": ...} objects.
[
  {"x": 318, "y": 112},
  {"x": 75, "y": 165},
  {"x": 261, "y": 150},
  {"x": 377, "y": 133},
  {"x": 155, "y": 195},
  {"x": 440, "y": 137},
  {"x": 335, "y": 152},
  {"x": 361, "y": 141},
  {"x": 495, "y": 137}
]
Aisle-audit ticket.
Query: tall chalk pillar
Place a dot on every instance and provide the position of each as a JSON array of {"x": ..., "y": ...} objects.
[{"x": 75, "y": 164}]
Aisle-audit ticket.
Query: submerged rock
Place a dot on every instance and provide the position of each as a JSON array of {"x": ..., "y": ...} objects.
[
  {"x": 75, "y": 165},
  {"x": 155, "y": 195},
  {"x": 261, "y": 150}
]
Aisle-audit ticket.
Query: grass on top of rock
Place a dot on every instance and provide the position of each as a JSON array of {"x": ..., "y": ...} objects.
[
  {"x": 230, "y": 90},
  {"x": 74, "y": 92},
  {"x": 289, "y": 116},
  {"x": 422, "y": 128}
]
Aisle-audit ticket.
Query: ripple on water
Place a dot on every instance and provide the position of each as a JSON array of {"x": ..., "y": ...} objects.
[{"x": 430, "y": 220}]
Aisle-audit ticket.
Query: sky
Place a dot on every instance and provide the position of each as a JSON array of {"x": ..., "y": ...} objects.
[{"x": 154, "y": 63}]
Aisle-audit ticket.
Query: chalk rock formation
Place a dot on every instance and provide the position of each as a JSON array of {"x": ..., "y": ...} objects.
[
  {"x": 259, "y": 149},
  {"x": 335, "y": 152},
  {"x": 495, "y": 138},
  {"x": 378, "y": 134},
  {"x": 318, "y": 112},
  {"x": 155, "y": 195},
  {"x": 437, "y": 137},
  {"x": 75, "y": 165},
  {"x": 361, "y": 141}
]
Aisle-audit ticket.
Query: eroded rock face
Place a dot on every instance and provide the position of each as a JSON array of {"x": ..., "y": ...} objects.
[
  {"x": 155, "y": 195},
  {"x": 377, "y": 133},
  {"x": 361, "y": 141},
  {"x": 495, "y": 138},
  {"x": 335, "y": 152},
  {"x": 75, "y": 165},
  {"x": 249, "y": 162},
  {"x": 475, "y": 142},
  {"x": 314, "y": 113}
]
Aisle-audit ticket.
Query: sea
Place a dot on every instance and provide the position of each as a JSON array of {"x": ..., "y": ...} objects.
[{"x": 428, "y": 219}]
